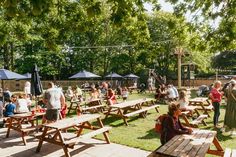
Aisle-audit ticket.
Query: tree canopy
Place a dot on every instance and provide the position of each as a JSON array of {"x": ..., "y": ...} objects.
[{"x": 66, "y": 36}]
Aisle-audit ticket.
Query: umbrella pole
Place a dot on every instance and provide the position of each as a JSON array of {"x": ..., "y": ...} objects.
[
  {"x": 3, "y": 99},
  {"x": 36, "y": 106}
]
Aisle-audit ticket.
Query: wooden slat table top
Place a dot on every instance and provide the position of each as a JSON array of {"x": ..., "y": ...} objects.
[
  {"x": 192, "y": 145},
  {"x": 198, "y": 99},
  {"x": 69, "y": 122},
  {"x": 130, "y": 103},
  {"x": 28, "y": 114}
]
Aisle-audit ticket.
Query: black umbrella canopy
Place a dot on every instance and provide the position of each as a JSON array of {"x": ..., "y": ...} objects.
[
  {"x": 84, "y": 75},
  {"x": 9, "y": 75},
  {"x": 131, "y": 76},
  {"x": 113, "y": 75},
  {"x": 36, "y": 85},
  {"x": 27, "y": 75}
]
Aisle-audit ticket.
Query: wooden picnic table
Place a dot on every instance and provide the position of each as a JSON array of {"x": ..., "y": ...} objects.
[
  {"x": 89, "y": 105},
  {"x": 17, "y": 121},
  {"x": 54, "y": 132},
  {"x": 195, "y": 145},
  {"x": 127, "y": 109},
  {"x": 94, "y": 105},
  {"x": 195, "y": 114},
  {"x": 203, "y": 103}
]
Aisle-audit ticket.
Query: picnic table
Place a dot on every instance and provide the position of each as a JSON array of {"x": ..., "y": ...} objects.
[
  {"x": 127, "y": 109},
  {"x": 195, "y": 145},
  {"x": 94, "y": 105},
  {"x": 19, "y": 123},
  {"x": 198, "y": 117},
  {"x": 55, "y": 132},
  {"x": 203, "y": 103}
]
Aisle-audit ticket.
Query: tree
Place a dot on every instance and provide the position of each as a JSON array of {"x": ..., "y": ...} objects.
[{"x": 206, "y": 12}]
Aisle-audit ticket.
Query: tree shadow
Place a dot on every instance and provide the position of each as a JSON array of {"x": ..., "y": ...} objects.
[{"x": 150, "y": 134}]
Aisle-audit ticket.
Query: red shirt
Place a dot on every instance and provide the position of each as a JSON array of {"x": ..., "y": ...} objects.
[{"x": 216, "y": 95}]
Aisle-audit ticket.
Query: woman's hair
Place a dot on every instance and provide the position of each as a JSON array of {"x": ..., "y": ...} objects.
[
  {"x": 182, "y": 94},
  {"x": 174, "y": 106},
  {"x": 216, "y": 83}
]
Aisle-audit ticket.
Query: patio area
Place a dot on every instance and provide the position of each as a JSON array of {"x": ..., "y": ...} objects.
[{"x": 13, "y": 147}]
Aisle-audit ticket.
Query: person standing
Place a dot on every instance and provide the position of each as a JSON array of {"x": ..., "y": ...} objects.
[
  {"x": 27, "y": 89},
  {"x": 54, "y": 99},
  {"x": 230, "y": 113},
  {"x": 216, "y": 96}
]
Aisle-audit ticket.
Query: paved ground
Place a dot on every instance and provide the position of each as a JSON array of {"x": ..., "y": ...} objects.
[{"x": 13, "y": 147}]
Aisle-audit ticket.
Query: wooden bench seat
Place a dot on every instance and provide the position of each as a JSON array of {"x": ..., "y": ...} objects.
[
  {"x": 143, "y": 110},
  {"x": 92, "y": 107},
  {"x": 199, "y": 120},
  {"x": 70, "y": 143},
  {"x": 230, "y": 152}
]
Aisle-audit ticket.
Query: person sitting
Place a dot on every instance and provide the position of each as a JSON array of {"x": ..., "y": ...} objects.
[
  {"x": 94, "y": 94},
  {"x": 171, "y": 124},
  {"x": 22, "y": 104},
  {"x": 10, "y": 108},
  {"x": 119, "y": 91},
  {"x": 7, "y": 95},
  {"x": 125, "y": 93},
  {"x": 111, "y": 97},
  {"x": 69, "y": 93},
  {"x": 161, "y": 93},
  {"x": 183, "y": 101},
  {"x": 170, "y": 93},
  {"x": 142, "y": 87}
]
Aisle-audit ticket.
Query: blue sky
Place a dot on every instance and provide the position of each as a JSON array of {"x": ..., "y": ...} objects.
[
  {"x": 168, "y": 8},
  {"x": 164, "y": 6}
]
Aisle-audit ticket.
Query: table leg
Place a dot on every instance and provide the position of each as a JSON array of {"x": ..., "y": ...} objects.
[
  {"x": 42, "y": 139},
  {"x": 219, "y": 151},
  {"x": 23, "y": 138},
  {"x": 108, "y": 112},
  {"x": 105, "y": 134},
  {"x": 205, "y": 110},
  {"x": 9, "y": 128},
  {"x": 67, "y": 154}
]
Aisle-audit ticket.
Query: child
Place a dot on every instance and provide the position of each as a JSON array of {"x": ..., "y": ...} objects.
[
  {"x": 63, "y": 111},
  {"x": 125, "y": 93},
  {"x": 10, "y": 107},
  {"x": 183, "y": 101}
]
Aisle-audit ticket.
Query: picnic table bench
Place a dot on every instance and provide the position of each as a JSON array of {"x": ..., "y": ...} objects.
[
  {"x": 74, "y": 105},
  {"x": 203, "y": 103},
  {"x": 127, "y": 109},
  {"x": 93, "y": 106},
  {"x": 194, "y": 123},
  {"x": 195, "y": 145},
  {"x": 18, "y": 122},
  {"x": 230, "y": 152},
  {"x": 54, "y": 132}
]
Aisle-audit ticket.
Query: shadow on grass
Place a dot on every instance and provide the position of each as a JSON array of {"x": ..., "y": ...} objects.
[
  {"x": 116, "y": 121},
  {"x": 151, "y": 134}
]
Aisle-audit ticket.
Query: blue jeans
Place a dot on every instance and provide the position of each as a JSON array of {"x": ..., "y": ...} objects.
[{"x": 216, "y": 112}]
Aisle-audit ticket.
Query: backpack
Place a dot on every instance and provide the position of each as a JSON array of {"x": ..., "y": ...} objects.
[{"x": 159, "y": 123}]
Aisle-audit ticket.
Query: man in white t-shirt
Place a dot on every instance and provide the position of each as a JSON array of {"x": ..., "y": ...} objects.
[
  {"x": 170, "y": 93},
  {"x": 54, "y": 99}
]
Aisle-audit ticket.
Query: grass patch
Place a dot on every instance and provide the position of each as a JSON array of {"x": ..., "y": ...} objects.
[{"x": 140, "y": 132}]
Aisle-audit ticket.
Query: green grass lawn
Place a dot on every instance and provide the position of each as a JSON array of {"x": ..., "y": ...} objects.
[{"x": 140, "y": 132}]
